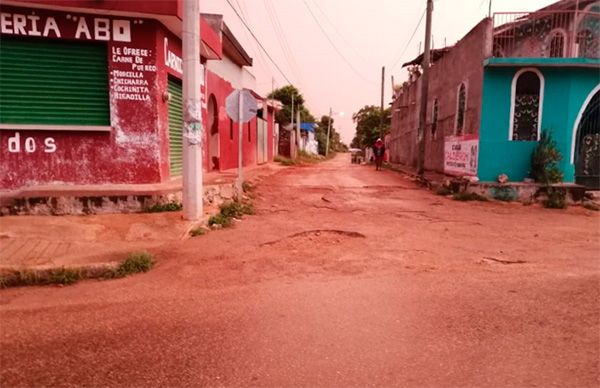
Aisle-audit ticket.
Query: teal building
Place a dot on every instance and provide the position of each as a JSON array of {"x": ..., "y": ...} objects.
[
  {"x": 523, "y": 97},
  {"x": 543, "y": 76}
]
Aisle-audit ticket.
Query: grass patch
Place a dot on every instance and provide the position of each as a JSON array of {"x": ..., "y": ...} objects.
[
  {"x": 284, "y": 161},
  {"x": 64, "y": 276},
  {"x": 165, "y": 207},
  {"x": 229, "y": 211},
  {"x": 305, "y": 157},
  {"x": 135, "y": 263},
  {"x": 198, "y": 232},
  {"x": 591, "y": 206},
  {"x": 220, "y": 220},
  {"x": 469, "y": 197}
]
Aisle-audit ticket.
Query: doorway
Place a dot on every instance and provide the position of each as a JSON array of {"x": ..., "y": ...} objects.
[
  {"x": 213, "y": 128},
  {"x": 587, "y": 147}
]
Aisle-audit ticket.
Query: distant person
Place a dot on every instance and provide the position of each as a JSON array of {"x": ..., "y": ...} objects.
[{"x": 379, "y": 152}]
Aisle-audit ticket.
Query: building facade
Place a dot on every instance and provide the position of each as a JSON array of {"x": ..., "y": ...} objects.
[
  {"x": 508, "y": 80},
  {"x": 91, "y": 93}
]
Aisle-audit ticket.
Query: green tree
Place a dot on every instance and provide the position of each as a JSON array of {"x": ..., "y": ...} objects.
[
  {"x": 335, "y": 143},
  {"x": 284, "y": 94},
  {"x": 367, "y": 125}
]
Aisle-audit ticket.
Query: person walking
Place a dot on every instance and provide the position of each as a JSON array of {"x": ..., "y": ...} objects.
[{"x": 379, "y": 152}]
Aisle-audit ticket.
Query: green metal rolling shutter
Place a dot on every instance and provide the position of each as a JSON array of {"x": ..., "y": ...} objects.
[
  {"x": 53, "y": 82},
  {"x": 175, "y": 127}
]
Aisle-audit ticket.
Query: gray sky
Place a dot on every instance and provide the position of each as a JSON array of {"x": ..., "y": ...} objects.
[{"x": 369, "y": 34}]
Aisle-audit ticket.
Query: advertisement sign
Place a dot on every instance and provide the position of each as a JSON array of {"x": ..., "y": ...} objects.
[{"x": 460, "y": 155}]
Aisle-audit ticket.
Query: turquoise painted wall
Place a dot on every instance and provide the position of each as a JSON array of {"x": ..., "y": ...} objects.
[{"x": 566, "y": 89}]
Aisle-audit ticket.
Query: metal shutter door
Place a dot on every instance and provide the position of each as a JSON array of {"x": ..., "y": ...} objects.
[
  {"x": 53, "y": 82},
  {"x": 175, "y": 127}
]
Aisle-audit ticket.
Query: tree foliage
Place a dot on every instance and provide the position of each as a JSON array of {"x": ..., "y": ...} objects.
[
  {"x": 283, "y": 117},
  {"x": 284, "y": 94},
  {"x": 367, "y": 121}
]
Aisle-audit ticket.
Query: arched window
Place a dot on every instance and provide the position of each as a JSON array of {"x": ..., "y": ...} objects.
[
  {"x": 461, "y": 108},
  {"x": 434, "y": 117},
  {"x": 556, "y": 47},
  {"x": 526, "y": 108}
]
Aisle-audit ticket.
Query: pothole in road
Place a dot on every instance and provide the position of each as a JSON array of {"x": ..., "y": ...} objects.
[
  {"x": 493, "y": 260},
  {"x": 317, "y": 236}
]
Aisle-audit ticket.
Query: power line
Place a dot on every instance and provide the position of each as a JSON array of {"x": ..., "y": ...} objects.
[
  {"x": 258, "y": 41},
  {"x": 358, "y": 54},
  {"x": 263, "y": 63},
  {"x": 409, "y": 41},
  {"x": 334, "y": 46},
  {"x": 282, "y": 40}
]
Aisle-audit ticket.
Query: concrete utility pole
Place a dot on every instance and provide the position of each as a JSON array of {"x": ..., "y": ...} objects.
[
  {"x": 490, "y": 10},
  {"x": 382, "y": 92},
  {"x": 240, "y": 180},
  {"x": 298, "y": 123},
  {"x": 193, "y": 191},
  {"x": 292, "y": 129},
  {"x": 424, "y": 91},
  {"x": 328, "y": 132}
]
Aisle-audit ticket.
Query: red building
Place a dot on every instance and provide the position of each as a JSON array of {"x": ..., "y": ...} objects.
[{"x": 90, "y": 93}]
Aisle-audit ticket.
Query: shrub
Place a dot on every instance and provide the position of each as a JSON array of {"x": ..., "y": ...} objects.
[
  {"x": 591, "y": 206},
  {"x": 544, "y": 161},
  {"x": 504, "y": 193},
  {"x": 556, "y": 199}
]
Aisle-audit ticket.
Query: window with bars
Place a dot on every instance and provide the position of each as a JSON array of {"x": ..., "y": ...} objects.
[
  {"x": 526, "y": 102},
  {"x": 557, "y": 45}
]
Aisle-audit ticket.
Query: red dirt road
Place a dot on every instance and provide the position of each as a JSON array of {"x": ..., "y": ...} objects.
[{"x": 344, "y": 277}]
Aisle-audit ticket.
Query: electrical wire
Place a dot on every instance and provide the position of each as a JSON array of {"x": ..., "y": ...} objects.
[
  {"x": 409, "y": 41},
  {"x": 258, "y": 41},
  {"x": 358, "y": 54},
  {"x": 334, "y": 46},
  {"x": 262, "y": 63},
  {"x": 283, "y": 42}
]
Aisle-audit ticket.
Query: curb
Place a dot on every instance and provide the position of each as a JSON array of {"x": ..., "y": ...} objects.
[{"x": 46, "y": 275}]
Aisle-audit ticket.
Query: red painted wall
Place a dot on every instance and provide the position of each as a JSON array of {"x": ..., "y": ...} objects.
[
  {"x": 136, "y": 150},
  {"x": 129, "y": 153}
]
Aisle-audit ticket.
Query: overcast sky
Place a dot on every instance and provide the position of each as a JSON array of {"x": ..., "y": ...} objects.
[{"x": 369, "y": 34}]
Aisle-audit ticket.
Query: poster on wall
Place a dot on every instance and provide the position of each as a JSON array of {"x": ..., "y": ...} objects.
[{"x": 460, "y": 155}]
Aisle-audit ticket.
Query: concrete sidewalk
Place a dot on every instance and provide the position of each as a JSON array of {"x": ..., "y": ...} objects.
[
  {"x": 75, "y": 240},
  {"x": 28, "y": 241}
]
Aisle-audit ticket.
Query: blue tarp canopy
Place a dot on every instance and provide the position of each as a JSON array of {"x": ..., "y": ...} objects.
[{"x": 308, "y": 127}]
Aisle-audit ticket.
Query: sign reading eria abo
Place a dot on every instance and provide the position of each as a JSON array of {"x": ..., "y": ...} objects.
[
  {"x": 460, "y": 155},
  {"x": 67, "y": 26}
]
